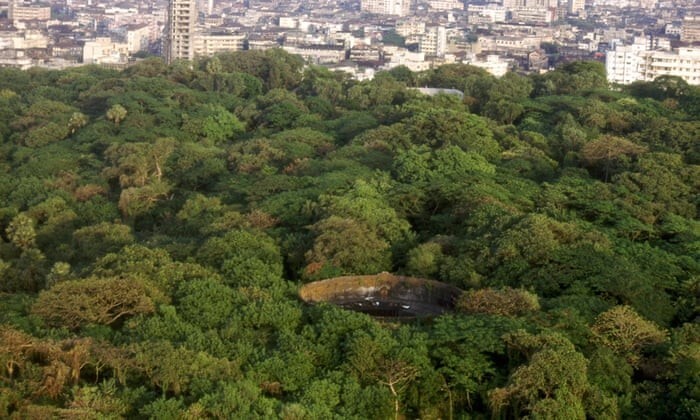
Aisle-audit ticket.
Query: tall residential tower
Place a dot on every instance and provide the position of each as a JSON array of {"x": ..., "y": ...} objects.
[{"x": 182, "y": 18}]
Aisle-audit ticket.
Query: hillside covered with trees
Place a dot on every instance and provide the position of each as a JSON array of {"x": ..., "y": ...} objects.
[{"x": 156, "y": 224}]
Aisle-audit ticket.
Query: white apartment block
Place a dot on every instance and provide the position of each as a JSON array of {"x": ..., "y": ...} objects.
[
  {"x": 182, "y": 17},
  {"x": 683, "y": 63},
  {"x": 622, "y": 65},
  {"x": 671, "y": 29},
  {"x": 627, "y": 64},
  {"x": 415, "y": 61},
  {"x": 485, "y": 13},
  {"x": 446, "y": 5},
  {"x": 17, "y": 11},
  {"x": 575, "y": 6},
  {"x": 411, "y": 26},
  {"x": 540, "y": 4},
  {"x": 690, "y": 29},
  {"x": 386, "y": 7},
  {"x": 511, "y": 44},
  {"x": 644, "y": 4},
  {"x": 208, "y": 44},
  {"x": 138, "y": 37},
  {"x": 493, "y": 64},
  {"x": 318, "y": 54},
  {"x": 104, "y": 51},
  {"x": 23, "y": 40},
  {"x": 533, "y": 14},
  {"x": 434, "y": 41}
]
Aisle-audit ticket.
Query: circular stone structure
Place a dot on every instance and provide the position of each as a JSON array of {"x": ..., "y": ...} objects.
[{"x": 384, "y": 295}]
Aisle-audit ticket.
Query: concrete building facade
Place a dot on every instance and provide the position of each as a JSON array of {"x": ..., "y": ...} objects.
[
  {"x": 386, "y": 7},
  {"x": 180, "y": 30}
]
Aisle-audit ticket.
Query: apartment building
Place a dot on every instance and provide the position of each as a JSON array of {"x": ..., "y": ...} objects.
[
  {"x": 446, "y": 5},
  {"x": 682, "y": 62},
  {"x": 207, "y": 44},
  {"x": 690, "y": 29},
  {"x": 535, "y": 15},
  {"x": 630, "y": 63},
  {"x": 492, "y": 63},
  {"x": 104, "y": 50},
  {"x": 386, "y": 7},
  {"x": 137, "y": 37},
  {"x": 180, "y": 30},
  {"x": 434, "y": 41},
  {"x": 622, "y": 64},
  {"x": 485, "y": 13},
  {"x": 575, "y": 6},
  {"x": 18, "y": 11}
]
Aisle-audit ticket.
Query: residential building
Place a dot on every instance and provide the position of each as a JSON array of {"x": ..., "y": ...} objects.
[
  {"x": 539, "y": 15},
  {"x": 138, "y": 37},
  {"x": 434, "y": 41},
  {"x": 485, "y": 13},
  {"x": 492, "y": 63},
  {"x": 180, "y": 30},
  {"x": 386, "y": 7},
  {"x": 690, "y": 29},
  {"x": 446, "y": 4},
  {"x": 104, "y": 50},
  {"x": 622, "y": 64},
  {"x": 18, "y": 11},
  {"x": 630, "y": 63},
  {"x": 207, "y": 44},
  {"x": 682, "y": 62},
  {"x": 574, "y": 7}
]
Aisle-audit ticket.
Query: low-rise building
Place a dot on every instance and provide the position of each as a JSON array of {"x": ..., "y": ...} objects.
[
  {"x": 631, "y": 63},
  {"x": 492, "y": 63},
  {"x": 210, "y": 43},
  {"x": 104, "y": 50}
]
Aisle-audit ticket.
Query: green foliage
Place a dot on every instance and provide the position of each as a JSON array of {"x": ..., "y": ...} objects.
[
  {"x": 156, "y": 222},
  {"x": 243, "y": 258}
]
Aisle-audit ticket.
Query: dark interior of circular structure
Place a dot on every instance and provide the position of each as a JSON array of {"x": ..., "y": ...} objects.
[
  {"x": 387, "y": 308},
  {"x": 384, "y": 295}
]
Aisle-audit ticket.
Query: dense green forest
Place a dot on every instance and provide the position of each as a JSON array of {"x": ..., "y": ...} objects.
[{"x": 156, "y": 224}]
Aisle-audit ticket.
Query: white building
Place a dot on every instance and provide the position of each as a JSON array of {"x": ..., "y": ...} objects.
[
  {"x": 208, "y": 44},
  {"x": 485, "y": 13},
  {"x": 434, "y": 41},
  {"x": 415, "y": 61},
  {"x": 446, "y": 4},
  {"x": 533, "y": 14},
  {"x": 386, "y": 7},
  {"x": 19, "y": 11},
  {"x": 182, "y": 17},
  {"x": 541, "y": 4},
  {"x": 410, "y": 26},
  {"x": 575, "y": 6},
  {"x": 318, "y": 54},
  {"x": 690, "y": 29},
  {"x": 622, "y": 64},
  {"x": 683, "y": 63},
  {"x": 627, "y": 64},
  {"x": 105, "y": 51},
  {"x": 492, "y": 64},
  {"x": 138, "y": 37}
]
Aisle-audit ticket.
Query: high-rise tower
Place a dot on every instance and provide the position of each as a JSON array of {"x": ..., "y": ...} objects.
[{"x": 182, "y": 18}]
